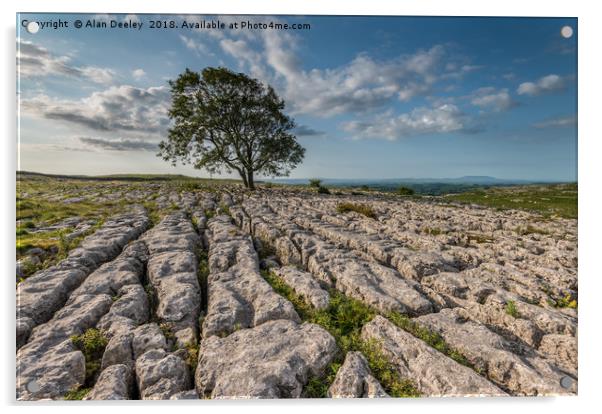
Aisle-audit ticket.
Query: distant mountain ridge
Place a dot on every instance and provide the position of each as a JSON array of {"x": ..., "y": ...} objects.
[{"x": 467, "y": 179}]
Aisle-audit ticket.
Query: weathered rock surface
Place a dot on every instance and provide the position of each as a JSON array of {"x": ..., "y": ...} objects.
[
  {"x": 272, "y": 360},
  {"x": 370, "y": 282},
  {"x": 89, "y": 306},
  {"x": 304, "y": 285},
  {"x": 561, "y": 349},
  {"x": 435, "y": 374},
  {"x": 161, "y": 375},
  {"x": 499, "y": 287},
  {"x": 172, "y": 270},
  {"x": 238, "y": 296},
  {"x": 526, "y": 374},
  {"x": 43, "y": 293},
  {"x": 354, "y": 380},
  {"x": 114, "y": 383}
]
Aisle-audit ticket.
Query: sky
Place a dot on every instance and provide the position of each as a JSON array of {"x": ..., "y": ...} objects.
[{"x": 372, "y": 97}]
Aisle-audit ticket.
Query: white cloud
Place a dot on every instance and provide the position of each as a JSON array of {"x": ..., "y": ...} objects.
[
  {"x": 445, "y": 118},
  {"x": 195, "y": 45},
  {"x": 138, "y": 73},
  {"x": 132, "y": 17},
  {"x": 124, "y": 108},
  {"x": 492, "y": 99},
  {"x": 546, "y": 84},
  {"x": 103, "y": 17},
  {"x": 36, "y": 61},
  {"x": 119, "y": 144},
  {"x": 566, "y": 121},
  {"x": 360, "y": 85}
]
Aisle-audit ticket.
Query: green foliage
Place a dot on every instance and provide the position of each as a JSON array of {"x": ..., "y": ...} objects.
[
  {"x": 382, "y": 369},
  {"x": 433, "y": 231},
  {"x": 167, "y": 331},
  {"x": 405, "y": 191},
  {"x": 556, "y": 199},
  {"x": 317, "y": 386},
  {"x": 192, "y": 355},
  {"x": 77, "y": 394},
  {"x": 358, "y": 208},
  {"x": 315, "y": 182},
  {"x": 191, "y": 185},
  {"x": 92, "y": 343},
  {"x": 323, "y": 190},
  {"x": 209, "y": 214},
  {"x": 227, "y": 121},
  {"x": 225, "y": 209},
  {"x": 566, "y": 302},
  {"x": 511, "y": 309}
]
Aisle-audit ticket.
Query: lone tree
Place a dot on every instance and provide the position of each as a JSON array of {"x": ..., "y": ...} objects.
[{"x": 227, "y": 121}]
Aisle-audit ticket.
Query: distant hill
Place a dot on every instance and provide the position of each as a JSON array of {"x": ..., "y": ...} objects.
[{"x": 428, "y": 186}]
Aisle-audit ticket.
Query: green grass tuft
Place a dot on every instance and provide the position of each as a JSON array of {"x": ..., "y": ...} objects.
[
  {"x": 511, "y": 309},
  {"x": 92, "y": 343},
  {"x": 77, "y": 394},
  {"x": 358, "y": 208}
]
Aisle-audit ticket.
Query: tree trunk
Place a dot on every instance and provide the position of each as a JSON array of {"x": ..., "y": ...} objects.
[
  {"x": 250, "y": 180},
  {"x": 244, "y": 179}
]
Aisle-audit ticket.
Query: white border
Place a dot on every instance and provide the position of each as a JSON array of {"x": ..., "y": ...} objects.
[{"x": 590, "y": 178}]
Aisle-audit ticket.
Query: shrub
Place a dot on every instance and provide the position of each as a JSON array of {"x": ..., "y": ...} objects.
[
  {"x": 92, "y": 343},
  {"x": 315, "y": 182},
  {"x": 566, "y": 302},
  {"x": 358, "y": 208},
  {"x": 323, "y": 190},
  {"x": 405, "y": 191}
]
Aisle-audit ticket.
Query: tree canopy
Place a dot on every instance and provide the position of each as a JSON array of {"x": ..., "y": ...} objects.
[{"x": 227, "y": 121}]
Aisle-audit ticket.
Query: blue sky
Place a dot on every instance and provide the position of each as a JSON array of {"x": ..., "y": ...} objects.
[{"x": 374, "y": 97}]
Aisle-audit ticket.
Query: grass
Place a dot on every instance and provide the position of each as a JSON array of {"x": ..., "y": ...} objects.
[
  {"x": 548, "y": 200},
  {"x": 77, "y": 394},
  {"x": 511, "y": 309},
  {"x": 478, "y": 238},
  {"x": 343, "y": 319},
  {"x": 92, "y": 343},
  {"x": 433, "y": 231},
  {"x": 358, "y": 208},
  {"x": 225, "y": 209}
]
